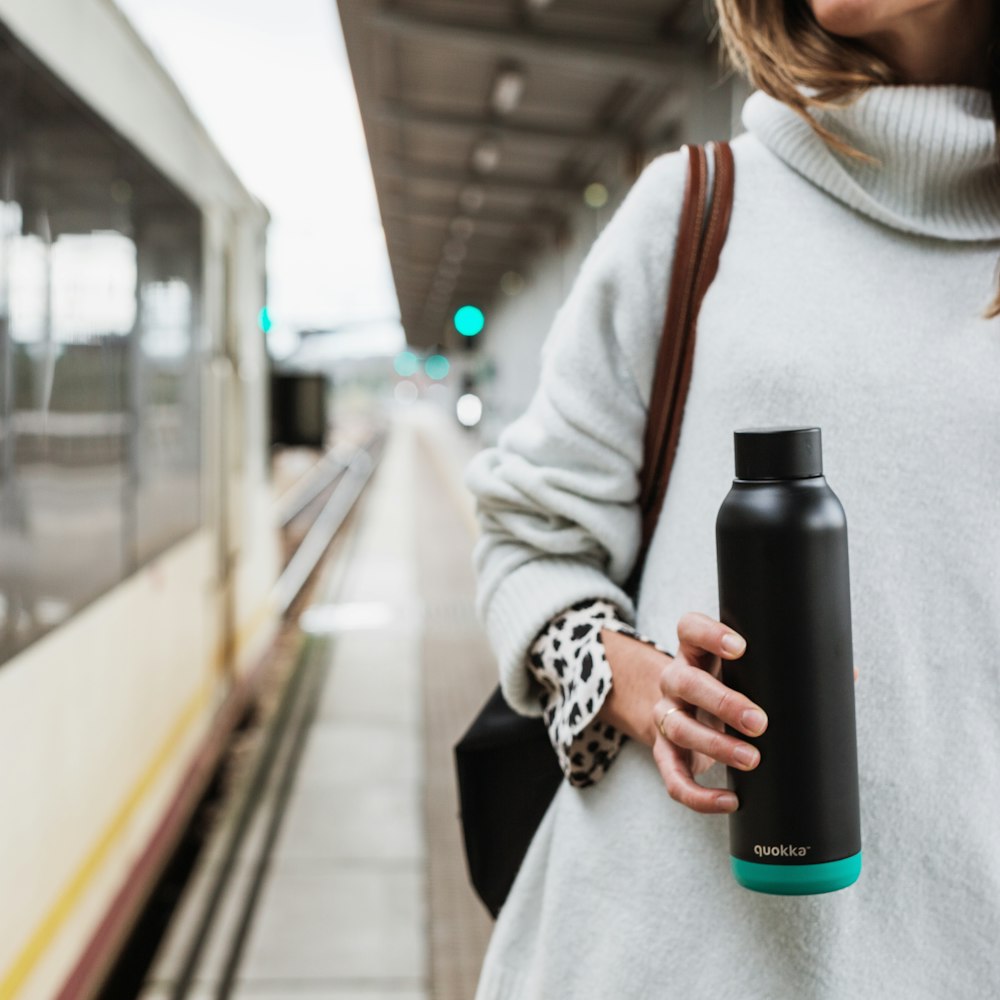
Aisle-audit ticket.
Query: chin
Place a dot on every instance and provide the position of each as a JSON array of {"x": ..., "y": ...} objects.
[{"x": 850, "y": 18}]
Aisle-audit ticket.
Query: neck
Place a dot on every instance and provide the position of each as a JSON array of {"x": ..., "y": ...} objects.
[
  {"x": 941, "y": 43},
  {"x": 933, "y": 149}
]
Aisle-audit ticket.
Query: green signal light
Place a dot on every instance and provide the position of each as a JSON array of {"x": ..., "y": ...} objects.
[
  {"x": 406, "y": 364},
  {"x": 469, "y": 321},
  {"x": 264, "y": 320},
  {"x": 437, "y": 367}
]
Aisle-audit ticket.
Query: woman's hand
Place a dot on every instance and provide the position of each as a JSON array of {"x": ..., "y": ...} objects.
[
  {"x": 686, "y": 696},
  {"x": 693, "y": 710},
  {"x": 635, "y": 685}
]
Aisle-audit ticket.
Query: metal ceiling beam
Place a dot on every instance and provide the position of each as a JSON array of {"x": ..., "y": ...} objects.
[
  {"x": 424, "y": 291},
  {"x": 491, "y": 227},
  {"x": 490, "y": 271},
  {"x": 495, "y": 252},
  {"x": 499, "y": 255},
  {"x": 491, "y": 265},
  {"x": 450, "y": 208},
  {"x": 397, "y": 112},
  {"x": 441, "y": 313},
  {"x": 491, "y": 182},
  {"x": 440, "y": 316},
  {"x": 489, "y": 275},
  {"x": 596, "y": 56},
  {"x": 445, "y": 308}
]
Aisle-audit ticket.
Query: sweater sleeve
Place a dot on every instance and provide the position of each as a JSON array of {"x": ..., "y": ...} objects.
[{"x": 557, "y": 496}]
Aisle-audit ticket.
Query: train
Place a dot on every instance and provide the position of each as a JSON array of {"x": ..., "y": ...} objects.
[{"x": 138, "y": 540}]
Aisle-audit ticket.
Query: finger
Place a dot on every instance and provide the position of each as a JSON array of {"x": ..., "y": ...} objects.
[
  {"x": 855, "y": 675},
  {"x": 698, "y": 634},
  {"x": 681, "y": 786},
  {"x": 697, "y": 687},
  {"x": 681, "y": 729}
]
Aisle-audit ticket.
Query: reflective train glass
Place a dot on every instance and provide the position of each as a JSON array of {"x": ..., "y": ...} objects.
[{"x": 100, "y": 409}]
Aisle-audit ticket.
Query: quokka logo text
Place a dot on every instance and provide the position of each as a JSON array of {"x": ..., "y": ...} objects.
[{"x": 779, "y": 851}]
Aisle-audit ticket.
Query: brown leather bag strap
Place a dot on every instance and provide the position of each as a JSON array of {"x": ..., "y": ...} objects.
[
  {"x": 701, "y": 234},
  {"x": 674, "y": 331}
]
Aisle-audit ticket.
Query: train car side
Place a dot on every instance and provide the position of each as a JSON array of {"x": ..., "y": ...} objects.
[{"x": 112, "y": 708}]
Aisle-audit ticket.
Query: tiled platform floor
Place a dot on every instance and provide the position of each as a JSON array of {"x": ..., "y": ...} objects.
[{"x": 366, "y": 896}]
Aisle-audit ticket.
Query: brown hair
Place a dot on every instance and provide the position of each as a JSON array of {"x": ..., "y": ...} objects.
[{"x": 780, "y": 46}]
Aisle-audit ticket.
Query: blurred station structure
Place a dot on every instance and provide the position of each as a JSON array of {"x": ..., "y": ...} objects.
[
  {"x": 502, "y": 136},
  {"x": 237, "y": 635}
]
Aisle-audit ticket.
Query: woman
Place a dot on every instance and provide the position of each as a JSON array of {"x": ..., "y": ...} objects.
[{"x": 854, "y": 292}]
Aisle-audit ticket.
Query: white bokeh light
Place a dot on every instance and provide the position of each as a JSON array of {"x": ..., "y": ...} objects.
[
  {"x": 469, "y": 409},
  {"x": 405, "y": 393}
]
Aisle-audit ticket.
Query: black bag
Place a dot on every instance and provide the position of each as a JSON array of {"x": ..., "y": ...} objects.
[
  {"x": 507, "y": 770},
  {"x": 507, "y": 776}
]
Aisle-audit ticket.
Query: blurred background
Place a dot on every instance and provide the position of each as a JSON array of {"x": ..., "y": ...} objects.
[{"x": 269, "y": 275}]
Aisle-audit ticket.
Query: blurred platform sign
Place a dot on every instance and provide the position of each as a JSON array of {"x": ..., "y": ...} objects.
[{"x": 299, "y": 409}]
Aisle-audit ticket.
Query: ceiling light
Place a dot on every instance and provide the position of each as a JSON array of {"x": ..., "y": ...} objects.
[
  {"x": 512, "y": 283},
  {"x": 596, "y": 195},
  {"x": 508, "y": 88},
  {"x": 486, "y": 156},
  {"x": 462, "y": 227},
  {"x": 437, "y": 367},
  {"x": 469, "y": 409},
  {"x": 454, "y": 250},
  {"x": 471, "y": 198},
  {"x": 539, "y": 4}
]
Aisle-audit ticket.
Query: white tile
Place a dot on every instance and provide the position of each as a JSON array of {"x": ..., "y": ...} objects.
[
  {"x": 377, "y": 684},
  {"x": 385, "y": 648},
  {"x": 331, "y": 992},
  {"x": 353, "y": 822},
  {"x": 340, "y": 753},
  {"x": 331, "y": 921}
]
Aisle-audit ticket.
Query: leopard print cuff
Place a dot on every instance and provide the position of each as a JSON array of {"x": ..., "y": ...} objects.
[{"x": 568, "y": 661}]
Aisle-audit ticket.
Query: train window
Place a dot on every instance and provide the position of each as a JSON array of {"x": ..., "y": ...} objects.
[{"x": 100, "y": 403}]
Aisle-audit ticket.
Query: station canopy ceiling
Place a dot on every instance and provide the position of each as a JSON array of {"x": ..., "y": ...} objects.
[{"x": 487, "y": 120}]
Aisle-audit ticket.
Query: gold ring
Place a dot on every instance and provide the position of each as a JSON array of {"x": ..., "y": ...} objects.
[{"x": 663, "y": 719}]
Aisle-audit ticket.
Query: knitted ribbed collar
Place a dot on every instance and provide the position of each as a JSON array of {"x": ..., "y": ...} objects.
[{"x": 937, "y": 146}]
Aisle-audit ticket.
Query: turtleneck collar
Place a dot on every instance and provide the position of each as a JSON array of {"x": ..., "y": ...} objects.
[{"x": 939, "y": 174}]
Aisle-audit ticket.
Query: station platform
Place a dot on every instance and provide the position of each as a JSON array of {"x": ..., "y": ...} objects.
[{"x": 350, "y": 883}]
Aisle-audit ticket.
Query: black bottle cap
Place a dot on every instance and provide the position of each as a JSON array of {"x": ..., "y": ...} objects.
[{"x": 778, "y": 453}]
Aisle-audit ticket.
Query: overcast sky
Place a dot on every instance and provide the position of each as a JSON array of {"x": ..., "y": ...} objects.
[{"x": 272, "y": 84}]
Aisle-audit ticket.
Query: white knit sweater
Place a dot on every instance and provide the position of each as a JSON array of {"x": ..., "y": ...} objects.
[{"x": 850, "y": 297}]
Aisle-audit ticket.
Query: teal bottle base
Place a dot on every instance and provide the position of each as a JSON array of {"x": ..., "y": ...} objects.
[{"x": 797, "y": 880}]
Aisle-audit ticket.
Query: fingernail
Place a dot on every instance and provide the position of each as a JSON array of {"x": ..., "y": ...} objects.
[
  {"x": 753, "y": 721},
  {"x": 733, "y": 643},
  {"x": 728, "y": 801},
  {"x": 746, "y": 756}
]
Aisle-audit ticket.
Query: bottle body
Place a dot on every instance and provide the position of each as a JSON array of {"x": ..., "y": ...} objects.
[{"x": 784, "y": 586}]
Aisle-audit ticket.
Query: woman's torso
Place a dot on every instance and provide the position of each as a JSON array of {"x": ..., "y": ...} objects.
[{"x": 817, "y": 316}]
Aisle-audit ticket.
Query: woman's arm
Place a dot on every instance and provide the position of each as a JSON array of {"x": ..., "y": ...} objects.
[
  {"x": 569, "y": 661},
  {"x": 557, "y": 496},
  {"x": 602, "y": 683}
]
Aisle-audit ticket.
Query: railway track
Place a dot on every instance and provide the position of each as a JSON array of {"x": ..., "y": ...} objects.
[{"x": 195, "y": 925}]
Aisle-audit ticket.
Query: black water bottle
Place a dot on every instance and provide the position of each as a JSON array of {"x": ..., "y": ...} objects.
[{"x": 781, "y": 538}]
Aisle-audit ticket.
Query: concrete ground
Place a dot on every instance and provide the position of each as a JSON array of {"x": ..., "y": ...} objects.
[{"x": 365, "y": 894}]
